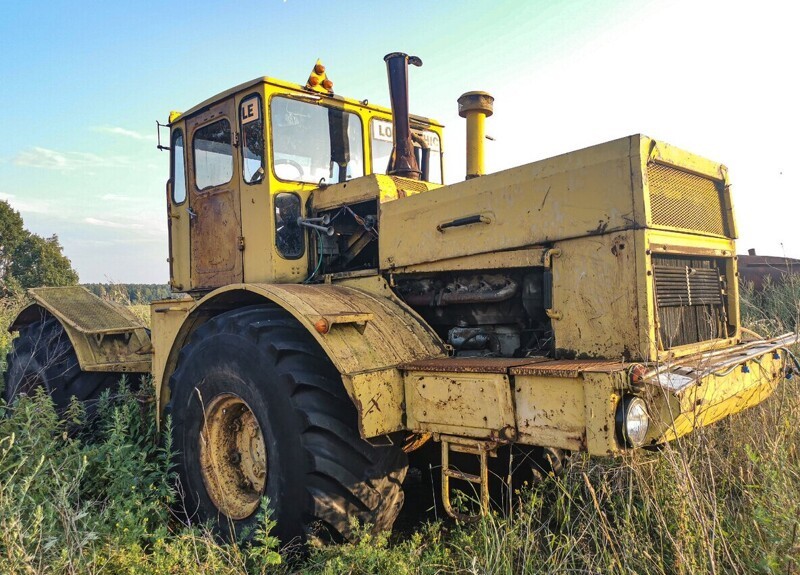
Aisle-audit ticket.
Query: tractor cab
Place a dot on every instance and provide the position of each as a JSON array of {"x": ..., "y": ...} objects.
[{"x": 244, "y": 165}]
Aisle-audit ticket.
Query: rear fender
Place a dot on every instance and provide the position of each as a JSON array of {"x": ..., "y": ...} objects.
[{"x": 106, "y": 337}]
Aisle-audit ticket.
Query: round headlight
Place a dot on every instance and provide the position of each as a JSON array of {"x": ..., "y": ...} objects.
[{"x": 632, "y": 421}]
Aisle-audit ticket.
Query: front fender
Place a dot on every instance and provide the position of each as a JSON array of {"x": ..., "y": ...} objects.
[{"x": 365, "y": 333}]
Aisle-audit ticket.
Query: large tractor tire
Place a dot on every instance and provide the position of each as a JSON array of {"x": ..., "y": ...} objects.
[
  {"x": 258, "y": 410},
  {"x": 43, "y": 357}
]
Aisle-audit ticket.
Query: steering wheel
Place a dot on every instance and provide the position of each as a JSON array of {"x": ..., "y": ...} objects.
[{"x": 286, "y": 162}]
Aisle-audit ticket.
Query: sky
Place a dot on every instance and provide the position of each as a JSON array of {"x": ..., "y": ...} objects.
[{"x": 82, "y": 84}]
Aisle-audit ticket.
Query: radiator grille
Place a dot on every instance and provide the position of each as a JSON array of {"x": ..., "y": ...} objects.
[
  {"x": 686, "y": 201},
  {"x": 689, "y": 299}
]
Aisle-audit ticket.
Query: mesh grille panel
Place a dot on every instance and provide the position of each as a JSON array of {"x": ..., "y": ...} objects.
[
  {"x": 86, "y": 311},
  {"x": 682, "y": 200},
  {"x": 409, "y": 185}
]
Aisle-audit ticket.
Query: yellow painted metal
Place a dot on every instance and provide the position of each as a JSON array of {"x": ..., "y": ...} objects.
[
  {"x": 594, "y": 191},
  {"x": 701, "y": 389},
  {"x": 551, "y": 411},
  {"x": 573, "y": 195},
  {"x": 380, "y": 400},
  {"x": 476, "y": 134},
  {"x": 595, "y": 298},
  {"x": 382, "y": 333},
  {"x": 524, "y": 258},
  {"x": 573, "y": 404},
  {"x": 105, "y": 336},
  {"x": 232, "y": 455},
  {"x": 482, "y": 450},
  {"x": 465, "y": 404},
  {"x": 475, "y": 107},
  {"x": 178, "y": 224},
  {"x": 368, "y": 188},
  {"x": 167, "y": 317}
]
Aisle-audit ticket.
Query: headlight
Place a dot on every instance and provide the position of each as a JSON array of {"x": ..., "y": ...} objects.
[{"x": 632, "y": 421}]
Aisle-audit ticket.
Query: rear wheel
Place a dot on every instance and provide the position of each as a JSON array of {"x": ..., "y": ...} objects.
[
  {"x": 43, "y": 357},
  {"x": 259, "y": 410}
]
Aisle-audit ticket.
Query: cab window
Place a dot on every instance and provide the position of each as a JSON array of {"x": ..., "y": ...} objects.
[
  {"x": 382, "y": 142},
  {"x": 289, "y": 237},
  {"x": 252, "y": 130},
  {"x": 313, "y": 143},
  {"x": 178, "y": 171},
  {"x": 213, "y": 155}
]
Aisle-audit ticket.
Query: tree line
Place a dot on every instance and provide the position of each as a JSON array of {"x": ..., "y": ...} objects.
[
  {"x": 28, "y": 260},
  {"x": 137, "y": 294}
]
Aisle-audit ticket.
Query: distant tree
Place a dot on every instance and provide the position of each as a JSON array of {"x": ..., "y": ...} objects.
[
  {"x": 12, "y": 233},
  {"x": 27, "y": 259},
  {"x": 131, "y": 293}
]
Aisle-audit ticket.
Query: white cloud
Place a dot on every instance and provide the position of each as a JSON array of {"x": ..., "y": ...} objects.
[
  {"x": 117, "y": 131},
  {"x": 26, "y": 206},
  {"x": 37, "y": 157},
  {"x": 110, "y": 224}
]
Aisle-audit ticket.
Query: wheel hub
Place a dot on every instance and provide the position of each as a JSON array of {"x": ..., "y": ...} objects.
[{"x": 233, "y": 456}]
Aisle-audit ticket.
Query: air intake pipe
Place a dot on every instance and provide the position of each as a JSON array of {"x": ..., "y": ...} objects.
[
  {"x": 403, "y": 161},
  {"x": 475, "y": 107}
]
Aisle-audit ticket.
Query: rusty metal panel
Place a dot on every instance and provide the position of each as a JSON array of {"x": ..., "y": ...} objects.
[
  {"x": 79, "y": 308},
  {"x": 465, "y": 404},
  {"x": 393, "y": 335},
  {"x": 215, "y": 225},
  {"x": 567, "y": 368},
  {"x": 471, "y": 364}
]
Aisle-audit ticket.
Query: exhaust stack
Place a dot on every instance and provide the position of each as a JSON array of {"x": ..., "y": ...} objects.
[
  {"x": 402, "y": 162},
  {"x": 475, "y": 107}
]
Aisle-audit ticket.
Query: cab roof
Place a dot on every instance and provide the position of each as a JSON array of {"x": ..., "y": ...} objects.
[{"x": 297, "y": 88}]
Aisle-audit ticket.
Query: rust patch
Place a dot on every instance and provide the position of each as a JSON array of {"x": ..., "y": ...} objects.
[
  {"x": 471, "y": 364},
  {"x": 567, "y": 367}
]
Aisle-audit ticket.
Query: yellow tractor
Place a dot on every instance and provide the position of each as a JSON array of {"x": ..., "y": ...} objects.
[{"x": 343, "y": 307}]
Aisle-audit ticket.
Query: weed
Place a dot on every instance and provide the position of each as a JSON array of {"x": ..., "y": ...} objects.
[{"x": 725, "y": 499}]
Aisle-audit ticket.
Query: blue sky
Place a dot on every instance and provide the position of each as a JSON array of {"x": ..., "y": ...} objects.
[{"x": 82, "y": 84}]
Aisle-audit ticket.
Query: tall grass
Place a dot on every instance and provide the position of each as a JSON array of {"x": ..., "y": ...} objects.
[{"x": 725, "y": 499}]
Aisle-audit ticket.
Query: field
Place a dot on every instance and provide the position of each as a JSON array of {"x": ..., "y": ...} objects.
[{"x": 724, "y": 500}]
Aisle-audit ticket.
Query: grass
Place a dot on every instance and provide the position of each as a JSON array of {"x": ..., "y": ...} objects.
[{"x": 726, "y": 499}]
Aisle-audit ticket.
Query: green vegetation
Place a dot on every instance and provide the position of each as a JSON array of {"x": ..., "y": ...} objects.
[
  {"x": 724, "y": 500},
  {"x": 28, "y": 260}
]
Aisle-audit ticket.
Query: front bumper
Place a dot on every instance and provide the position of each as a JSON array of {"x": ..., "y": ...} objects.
[{"x": 699, "y": 390}]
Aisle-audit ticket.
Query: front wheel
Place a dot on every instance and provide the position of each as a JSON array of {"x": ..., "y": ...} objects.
[{"x": 259, "y": 410}]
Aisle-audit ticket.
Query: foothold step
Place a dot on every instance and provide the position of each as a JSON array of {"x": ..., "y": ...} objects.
[{"x": 481, "y": 449}]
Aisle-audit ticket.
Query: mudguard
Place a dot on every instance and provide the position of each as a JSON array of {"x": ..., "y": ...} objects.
[
  {"x": 105, "y": 336},
  {"x": 363, "y": 328}
]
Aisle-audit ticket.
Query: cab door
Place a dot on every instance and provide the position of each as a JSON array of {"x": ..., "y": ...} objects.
[{"x": 214, "y": 210}]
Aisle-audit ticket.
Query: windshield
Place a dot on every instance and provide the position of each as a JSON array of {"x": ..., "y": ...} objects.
[
  {"x": 381, "y": 140},
  {"x": 313, "y": 143}
]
